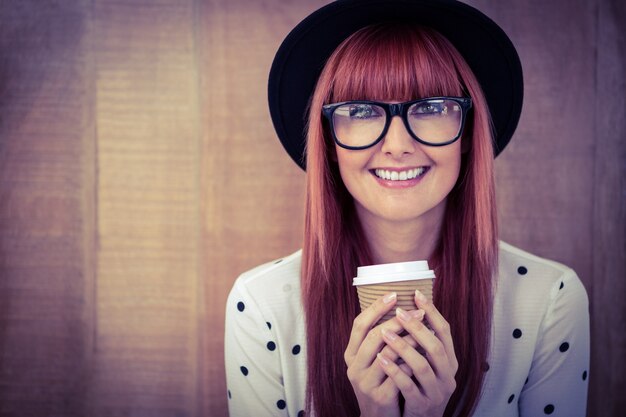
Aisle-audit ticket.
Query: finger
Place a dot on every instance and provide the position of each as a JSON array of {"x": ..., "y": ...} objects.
[
  {"x": 375, "y": 373},
  {"x": 388, "y": 386},
  {"x": 433, "y": 348},
  {"x": 365, "y": 321},
  {"x": 392, "y": 355},
  {"x": 389, "y": 352},
  {"x": 372, "y": 344},
  {"x": 419, "y": 365},
  {"x": 405, "y": 368},
  {"x": 401, "y": 380},
  {"x": 439, "y": 324}
]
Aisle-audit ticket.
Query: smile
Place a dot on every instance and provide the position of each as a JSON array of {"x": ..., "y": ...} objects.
[{"x": 399, "y": 175}]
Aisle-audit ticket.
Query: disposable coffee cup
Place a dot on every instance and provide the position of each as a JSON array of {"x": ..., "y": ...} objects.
[{"x": 372, "y": 282}]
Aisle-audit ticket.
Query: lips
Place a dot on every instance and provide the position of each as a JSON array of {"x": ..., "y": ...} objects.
[{"x": 404, "y": 175}]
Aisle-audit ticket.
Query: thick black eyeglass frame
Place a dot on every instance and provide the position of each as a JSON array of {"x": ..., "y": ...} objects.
[{"x": 397, "y": 109}]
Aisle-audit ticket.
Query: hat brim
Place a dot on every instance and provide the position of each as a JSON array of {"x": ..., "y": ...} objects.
[{"x": 301, "y": 57}]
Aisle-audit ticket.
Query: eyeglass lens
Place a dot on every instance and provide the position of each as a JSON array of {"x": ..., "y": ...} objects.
[{"x": 433, "y": 121}]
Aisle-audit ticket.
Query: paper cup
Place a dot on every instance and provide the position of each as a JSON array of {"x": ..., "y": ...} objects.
[{"x": 404, "y": 278}]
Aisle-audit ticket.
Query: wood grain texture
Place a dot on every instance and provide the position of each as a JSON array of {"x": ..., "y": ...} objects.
[
  {"x": 608, "y": 363},
  {"x": 46, "y": 268},
  {"x": 146, "y": 329}
]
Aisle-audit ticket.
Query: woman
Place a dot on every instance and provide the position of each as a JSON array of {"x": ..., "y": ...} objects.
[{"x": 507, "y": 333}]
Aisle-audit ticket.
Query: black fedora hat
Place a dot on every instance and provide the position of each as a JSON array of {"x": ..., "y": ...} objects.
[{"x": 302, "y": 55}]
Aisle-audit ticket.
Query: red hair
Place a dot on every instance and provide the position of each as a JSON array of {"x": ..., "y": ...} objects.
[{"x": 396, "y": 62}]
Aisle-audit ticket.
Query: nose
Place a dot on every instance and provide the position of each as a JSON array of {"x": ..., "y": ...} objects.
[{"x": 398, "y": 141}]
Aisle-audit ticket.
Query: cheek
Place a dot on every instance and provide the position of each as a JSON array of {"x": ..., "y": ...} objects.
[
  {"x": 449, "y": 163},
  {"x": 353, "y": 170},
  {"x": 351, "y": 162}
]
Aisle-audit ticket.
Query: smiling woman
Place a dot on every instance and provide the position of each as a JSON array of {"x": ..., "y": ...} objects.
[{"x": 399, "y": 158}]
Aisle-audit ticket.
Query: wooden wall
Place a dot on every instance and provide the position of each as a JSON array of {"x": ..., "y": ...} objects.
[{"x": 131, "y": 197}]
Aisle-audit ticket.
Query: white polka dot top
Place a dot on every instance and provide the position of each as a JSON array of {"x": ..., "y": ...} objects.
[{"x": 538, "y": 364}]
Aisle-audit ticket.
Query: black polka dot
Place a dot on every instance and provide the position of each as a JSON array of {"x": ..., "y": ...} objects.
[
  {"x": 526, "y": 382},
  {"x": 296, "y": 349},
  {"x": 522, "y": 270},
  {"x": 269, "y": 325},
  {"x": 511, "y": 398},
  {"x": 548, "y": 409},
  {"x": 271, "y": 345},
  {"x": 241, "y": 306},
  {"x": 229, "y": 395},
  {"x": 281, "y": 404},
  {"x": 244, "y": 370},
  {"x": 585, "y": 376},
  {"x": 517, "y": 333},
  {"x": 564, "y": 346},
  {"x": 301, "y": 413},
  {"x": 278, "y": 261},
  {"x": 485, "y": 366},
  {"x": 561, "y": 286}
]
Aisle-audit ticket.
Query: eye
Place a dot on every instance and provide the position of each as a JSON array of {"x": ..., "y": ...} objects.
[
  {"x": 363, "y": 111},
  {"x": 430, "y": 108}
]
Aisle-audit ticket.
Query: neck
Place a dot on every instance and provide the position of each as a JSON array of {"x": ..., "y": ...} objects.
[{"x": 402, "y": 240}]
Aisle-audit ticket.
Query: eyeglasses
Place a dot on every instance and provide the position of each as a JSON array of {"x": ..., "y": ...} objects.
[{"x": 434, "y": 121}]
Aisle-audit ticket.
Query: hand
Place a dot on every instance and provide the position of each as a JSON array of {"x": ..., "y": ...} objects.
[
  {"x": 428, "y": 393},
  {"x": 377, "y": 395}
]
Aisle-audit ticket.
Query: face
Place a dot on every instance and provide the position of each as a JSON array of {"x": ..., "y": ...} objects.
[{"x": 400, "y": 179}]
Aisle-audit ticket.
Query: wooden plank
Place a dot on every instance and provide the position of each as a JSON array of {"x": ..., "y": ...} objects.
[
  {"x": 146, "y": 340},
  {"x": 608, "y": 364},
  {"x": 46, "y": 209}
]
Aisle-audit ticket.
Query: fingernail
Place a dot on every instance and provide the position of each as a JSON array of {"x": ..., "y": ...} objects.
[
  {"x": 418, "y": 314},
  {"x": 420, "y": 297},
  {"x": 391, "y": 336},
  {"x": 387, "y": 299},
  {"x": 382, "y": 359},
  {"x": 402, "y": 315}
]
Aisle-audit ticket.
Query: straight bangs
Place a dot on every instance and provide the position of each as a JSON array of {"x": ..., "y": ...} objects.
[{"x": 394, "y": 63}]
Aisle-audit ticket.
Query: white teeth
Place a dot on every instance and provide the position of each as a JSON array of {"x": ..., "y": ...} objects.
[{"x": 399, "y": 176}]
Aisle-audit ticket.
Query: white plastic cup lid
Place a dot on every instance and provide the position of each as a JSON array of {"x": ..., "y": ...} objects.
[{"x": 400, "y": 271}]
